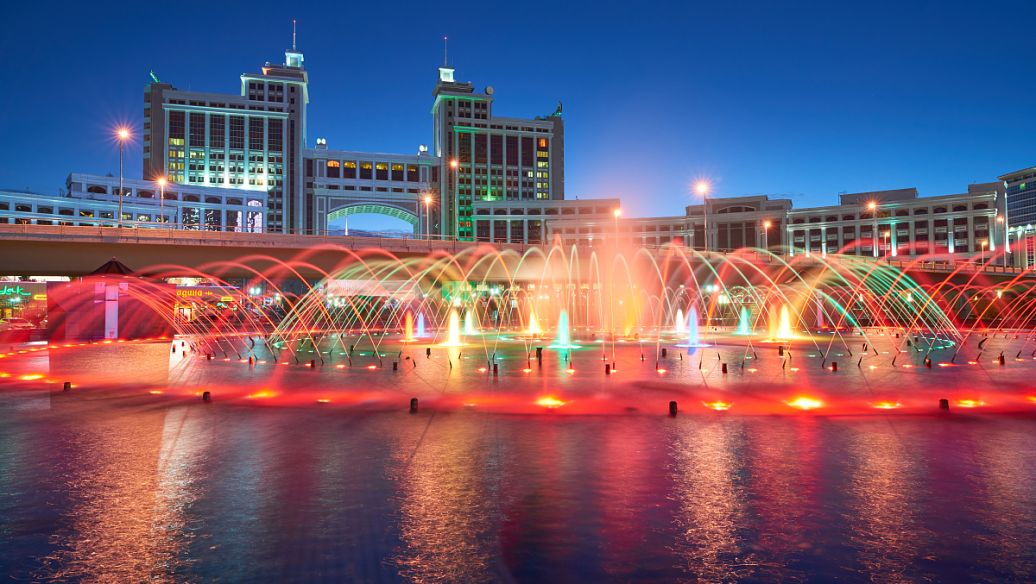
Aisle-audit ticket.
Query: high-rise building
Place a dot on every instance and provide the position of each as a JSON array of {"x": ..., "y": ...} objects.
[
  {"x": 1020, "y": 187},
  {"x": 252, "y": 142},
  {"x": 487, "y": 158}
]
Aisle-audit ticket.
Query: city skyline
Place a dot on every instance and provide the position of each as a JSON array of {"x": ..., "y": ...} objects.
[{"x": 674, "y": 144}]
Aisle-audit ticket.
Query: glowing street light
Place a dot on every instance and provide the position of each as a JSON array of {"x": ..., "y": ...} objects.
[
  {"x": 702, "y": 187},
  {"x": 161, "y": 198},
  {"x": 766, "y": 233},
  {"x": 427, "y": 215},
  {"x": 1007, "y": 248},
  {"x": 873, "y": 207},
  {"x": 454, "y": 165},
  {"x": 123, "y": 134}
]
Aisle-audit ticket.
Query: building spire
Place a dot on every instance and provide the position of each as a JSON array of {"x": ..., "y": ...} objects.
[
  {"x": 445, "y": 51},
  {"x": 293, "y": 22}
]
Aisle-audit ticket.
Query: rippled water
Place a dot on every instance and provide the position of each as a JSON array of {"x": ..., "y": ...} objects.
[{"x": 122, "y": 488}]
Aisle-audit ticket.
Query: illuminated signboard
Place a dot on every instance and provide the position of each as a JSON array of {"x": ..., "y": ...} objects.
[{"x": 14, "y": 291}]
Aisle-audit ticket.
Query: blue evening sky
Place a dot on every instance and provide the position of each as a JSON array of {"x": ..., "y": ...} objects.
[{"x": 785, "y": 98}]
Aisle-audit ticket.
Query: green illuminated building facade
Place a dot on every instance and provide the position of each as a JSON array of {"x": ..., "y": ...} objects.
[{"x": 486, "y": 158}]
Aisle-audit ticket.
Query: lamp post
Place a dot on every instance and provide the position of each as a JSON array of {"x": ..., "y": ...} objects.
[
  {"x": 122, "y": 134},
  {"x": 427, "y": 216},
  {"x": 161, "y": 199},
  {"x": 702, "y": 188},
  {"x": 985, "y": 242},
  {"x": 873, "y": 206},
  {"x": 1000, "y": 220},
  {"x": 766, "y": 234},
  {"x": 617, "y": 213},
  {"x": 454, "y": 165}
]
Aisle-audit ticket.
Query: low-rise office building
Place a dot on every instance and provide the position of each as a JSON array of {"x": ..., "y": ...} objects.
[{"x": 92, "y": 200}]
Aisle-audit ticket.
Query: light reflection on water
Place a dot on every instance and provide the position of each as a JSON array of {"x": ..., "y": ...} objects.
[{"x": 121, "y": 489}]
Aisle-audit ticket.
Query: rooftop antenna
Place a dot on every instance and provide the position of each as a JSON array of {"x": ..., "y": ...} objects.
[
  {"x": 293, "y": 34},
  {"x": 445, "y": 51}
]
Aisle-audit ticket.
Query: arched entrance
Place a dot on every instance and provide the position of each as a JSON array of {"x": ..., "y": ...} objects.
[{"x": 337, "y": 221}]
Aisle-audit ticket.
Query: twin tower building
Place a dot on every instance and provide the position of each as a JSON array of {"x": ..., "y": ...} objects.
[{"x": 259, "y": 141}]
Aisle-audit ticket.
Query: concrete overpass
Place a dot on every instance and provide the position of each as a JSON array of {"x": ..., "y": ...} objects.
[{"x": 51, "y": 250}]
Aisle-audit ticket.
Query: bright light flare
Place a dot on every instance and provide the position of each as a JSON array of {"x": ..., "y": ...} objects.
[
  {"x": 262, "y": 394},
  {"x": 886, "y": 405},
  {"x": 702, "y": 187},
  {"x": 550, "y": 402},
  {"x": 805, "y": 403},
  {"x": 970, "y": 403},
  {"x": 31, "y": 377},
  {"x": 719, "y": 406}
]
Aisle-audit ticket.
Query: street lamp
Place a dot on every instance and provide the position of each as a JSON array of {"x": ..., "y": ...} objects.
[
  {"x": 702, "y": 188},
  {"x": 617, "y": 213},
  {"x": 985, "y": 242},
  {"x": 873, "y": 206},
  {"x": 1000, "y": 220},
  {"x": 122, "y": 134},
  {"x": 454, "y": 165},
  {"x": 427, "y": 216},
  {"x": 161, "y": 199},
  {"x": 766, "y": 234}
]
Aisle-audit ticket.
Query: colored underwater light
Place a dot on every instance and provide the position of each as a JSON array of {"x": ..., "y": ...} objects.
[
  {"x": 262, "y": 394},
  {"x": 323, "y": 400},
  {"x": 805, "y": 403},
  {"x": 550, "y": 402}
]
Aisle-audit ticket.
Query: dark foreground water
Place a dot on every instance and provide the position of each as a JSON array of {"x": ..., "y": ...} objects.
[{"x": 127, "y": 489}]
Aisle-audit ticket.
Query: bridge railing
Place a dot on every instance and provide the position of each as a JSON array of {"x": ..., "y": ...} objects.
[{"x": 172, "y": 234}]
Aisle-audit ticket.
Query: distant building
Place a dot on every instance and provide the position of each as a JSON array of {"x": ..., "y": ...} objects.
[
  {"x": 489, "y": 158},
  {"x": 93, "y": 201},
  {"x": 252, "y": 141},
  {"x": 900, "y": 223},
  {"x": 341, "y": 183},
  {"x": 1020, "y": 187}
]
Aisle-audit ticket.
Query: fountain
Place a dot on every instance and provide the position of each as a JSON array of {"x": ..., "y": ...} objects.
[
  {"x": 332, "y": 323},
  {"x": 453, "y": 331},
  {"x": 408, "y": 327},
  {"x": 744, "y": 324},
  {"x": 693, "y": 338},
  {"x": 563, "y": 340},
  {"x": 534, "y": 326},
  {"x": 780, "y": 324}
]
